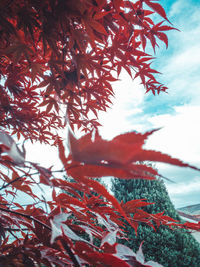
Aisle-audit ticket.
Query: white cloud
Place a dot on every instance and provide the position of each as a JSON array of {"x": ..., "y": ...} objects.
[
  {"x": 45, "y": 155},
  {"x": 185, "y": 189},
  {"x": 129, "y": 96},
  {"x": 185, "y": 193},
  {"x": 180, "y": 133},
  {"x": 179, "y": 138}
]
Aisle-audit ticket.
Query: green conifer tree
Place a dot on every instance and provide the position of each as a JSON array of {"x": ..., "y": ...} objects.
[{"x": 171, "y": 248}]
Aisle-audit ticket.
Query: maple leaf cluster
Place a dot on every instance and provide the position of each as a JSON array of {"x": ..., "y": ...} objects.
[
  {"x": 82, "y": 222},
  {"x": 62, "y": 56},
  {"x": 58, "y": 60}
]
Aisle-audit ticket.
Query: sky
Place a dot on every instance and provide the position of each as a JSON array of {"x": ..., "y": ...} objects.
[{"x": 177, "y": 112}]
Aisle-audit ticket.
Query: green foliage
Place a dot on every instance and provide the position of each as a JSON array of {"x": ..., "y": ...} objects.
[{"x": 171, "y": 248}]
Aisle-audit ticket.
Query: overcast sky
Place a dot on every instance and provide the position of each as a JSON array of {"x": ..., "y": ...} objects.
[{"x": 178, "y": 112}]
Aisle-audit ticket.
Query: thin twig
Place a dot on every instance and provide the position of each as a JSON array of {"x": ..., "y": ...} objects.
[
  {"x": 20, "y": 177},
  {"x": 65, "y": 245}
]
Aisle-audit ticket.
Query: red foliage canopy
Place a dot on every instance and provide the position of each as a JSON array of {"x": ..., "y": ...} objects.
[
  {"x": 72, "y": 50},
  {"x": 58, "y": 60}
]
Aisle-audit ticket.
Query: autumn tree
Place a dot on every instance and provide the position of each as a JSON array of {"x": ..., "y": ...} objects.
[
  {"x": 170, "y": 247},
  {"x": 57, "y": 62}
]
